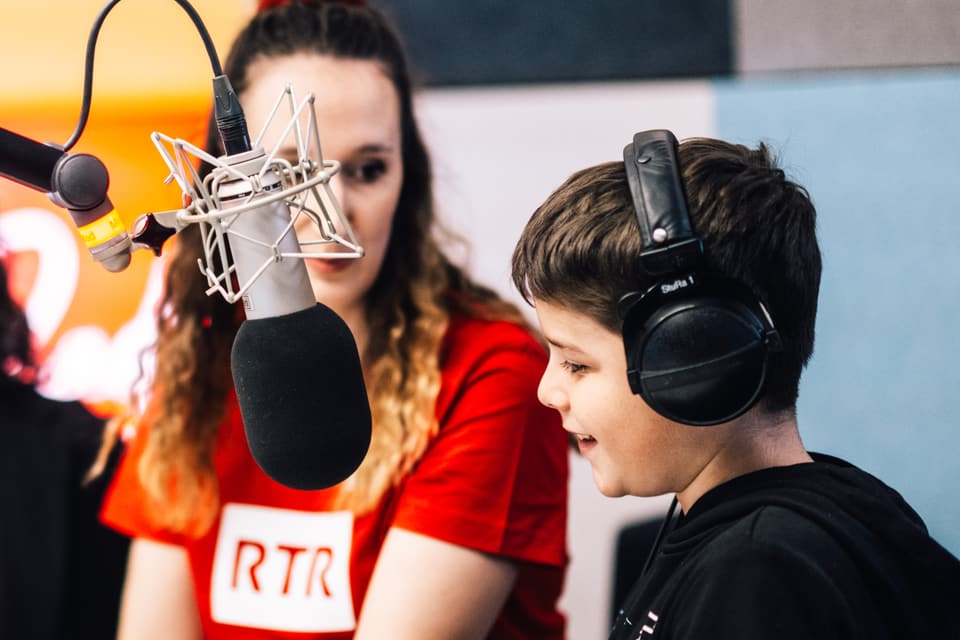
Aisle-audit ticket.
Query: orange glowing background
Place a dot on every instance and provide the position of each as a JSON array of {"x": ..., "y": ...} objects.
[{"x": 151, "y": 73}]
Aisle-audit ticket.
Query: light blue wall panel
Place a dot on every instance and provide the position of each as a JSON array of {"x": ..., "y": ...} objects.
[{"x": 880, "y": 154}]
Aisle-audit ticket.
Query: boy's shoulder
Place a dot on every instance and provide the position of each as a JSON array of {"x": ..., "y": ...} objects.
[
  {"x": 823, "y": 541},
  {"x": 770, "y": 570},
  {"x": 826, "y": 509},
  {"x": 779, "y": 537}
]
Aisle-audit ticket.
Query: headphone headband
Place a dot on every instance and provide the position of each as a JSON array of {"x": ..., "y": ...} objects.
[{"x": 669, "y": 244}]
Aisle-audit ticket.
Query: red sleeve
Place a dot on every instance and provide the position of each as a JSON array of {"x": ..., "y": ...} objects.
[
  {"x": 125, "y": 506},
  {"x": 495, "y": 477}
]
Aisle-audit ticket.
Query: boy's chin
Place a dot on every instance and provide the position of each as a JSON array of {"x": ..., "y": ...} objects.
[{"x": 608, "y": 489}]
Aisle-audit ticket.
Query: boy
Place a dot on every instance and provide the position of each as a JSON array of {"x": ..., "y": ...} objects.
[{"x": 678, "y": 293}]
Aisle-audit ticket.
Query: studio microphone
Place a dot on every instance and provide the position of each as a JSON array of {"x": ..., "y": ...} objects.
[
  {"x": 295, "y": 364},
  {"x": 78, "y": 182}
]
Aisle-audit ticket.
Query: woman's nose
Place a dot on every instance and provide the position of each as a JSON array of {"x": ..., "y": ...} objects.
[
  {"x": 336, "y": 186},
  {"x": 342, "y": 197}
]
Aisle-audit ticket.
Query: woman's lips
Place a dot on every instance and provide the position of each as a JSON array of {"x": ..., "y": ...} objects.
[{"x": 324, "y": 266}]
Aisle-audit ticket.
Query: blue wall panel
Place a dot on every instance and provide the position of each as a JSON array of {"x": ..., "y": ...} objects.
[{"x": 880, "y": 155}]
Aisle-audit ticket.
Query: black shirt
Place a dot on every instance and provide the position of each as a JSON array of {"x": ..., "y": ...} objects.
[
  {"x": 817, "y": 550},
  {"x": 61, "y": 571}
]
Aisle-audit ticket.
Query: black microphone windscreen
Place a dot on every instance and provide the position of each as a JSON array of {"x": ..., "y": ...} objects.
[{"x": 302, "y": 397}]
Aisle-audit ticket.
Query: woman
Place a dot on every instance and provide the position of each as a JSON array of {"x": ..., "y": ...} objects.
[{"x": 454, "y": 525}]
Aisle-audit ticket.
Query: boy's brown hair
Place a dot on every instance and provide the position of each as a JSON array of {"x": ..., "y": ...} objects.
[{"x": 581, "y": 247}]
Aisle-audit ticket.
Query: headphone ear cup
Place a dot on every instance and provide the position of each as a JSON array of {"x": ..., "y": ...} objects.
[{"x": 696, "y": 359}]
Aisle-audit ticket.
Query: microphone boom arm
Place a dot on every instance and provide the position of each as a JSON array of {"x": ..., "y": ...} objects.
[{"x": 77, "y": 182}]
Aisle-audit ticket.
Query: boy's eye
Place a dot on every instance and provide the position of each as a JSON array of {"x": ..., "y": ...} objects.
[
  {"x": 573, "y": 367},
  {"x": 368, "y": 171}
]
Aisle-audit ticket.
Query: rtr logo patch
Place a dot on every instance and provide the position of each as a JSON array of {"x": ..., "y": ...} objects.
[{"x": 283, "y": 570}]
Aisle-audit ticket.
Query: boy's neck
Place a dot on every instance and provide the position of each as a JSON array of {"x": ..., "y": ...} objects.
[{"x": 755, "y": 441}]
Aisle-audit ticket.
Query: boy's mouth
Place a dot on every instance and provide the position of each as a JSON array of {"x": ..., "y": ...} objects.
[{"x": 584, "y": 442}]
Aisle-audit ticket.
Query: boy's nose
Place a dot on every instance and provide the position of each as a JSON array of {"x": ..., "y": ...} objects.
[{"x": 549, "y": 393}]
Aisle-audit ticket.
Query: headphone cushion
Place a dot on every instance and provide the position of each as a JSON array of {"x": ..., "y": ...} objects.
[{"x": 698, "y": 360}]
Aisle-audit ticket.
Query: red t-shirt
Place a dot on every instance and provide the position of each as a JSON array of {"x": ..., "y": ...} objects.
[{"x": 280, "y": 563}]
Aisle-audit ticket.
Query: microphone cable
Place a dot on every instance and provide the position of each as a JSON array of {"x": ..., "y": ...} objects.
[
  {"x": 661, "y": 534},
  {"x": 91, "y": 50},
  {"x": 622, "y": 619}
]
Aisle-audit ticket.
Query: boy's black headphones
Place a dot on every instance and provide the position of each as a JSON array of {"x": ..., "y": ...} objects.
[{"x": 697, "y": 343}]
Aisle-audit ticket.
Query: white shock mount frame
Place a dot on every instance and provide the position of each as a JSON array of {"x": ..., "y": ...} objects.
[{"x": 304, "y": 187}]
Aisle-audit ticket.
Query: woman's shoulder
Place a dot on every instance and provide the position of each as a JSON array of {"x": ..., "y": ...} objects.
[
  {"x": 492, "y": 358},
  {"x": 471, "y": 340},
  {"x": 464, "y": 328}
]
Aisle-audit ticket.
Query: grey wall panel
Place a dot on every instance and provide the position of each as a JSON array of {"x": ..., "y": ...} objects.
[
  {"x": 778, "y": 35},
  {"x": 506, "y": 42}
]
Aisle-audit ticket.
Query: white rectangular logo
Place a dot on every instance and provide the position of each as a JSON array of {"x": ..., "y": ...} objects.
[{"x": 283, "y": 570}]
